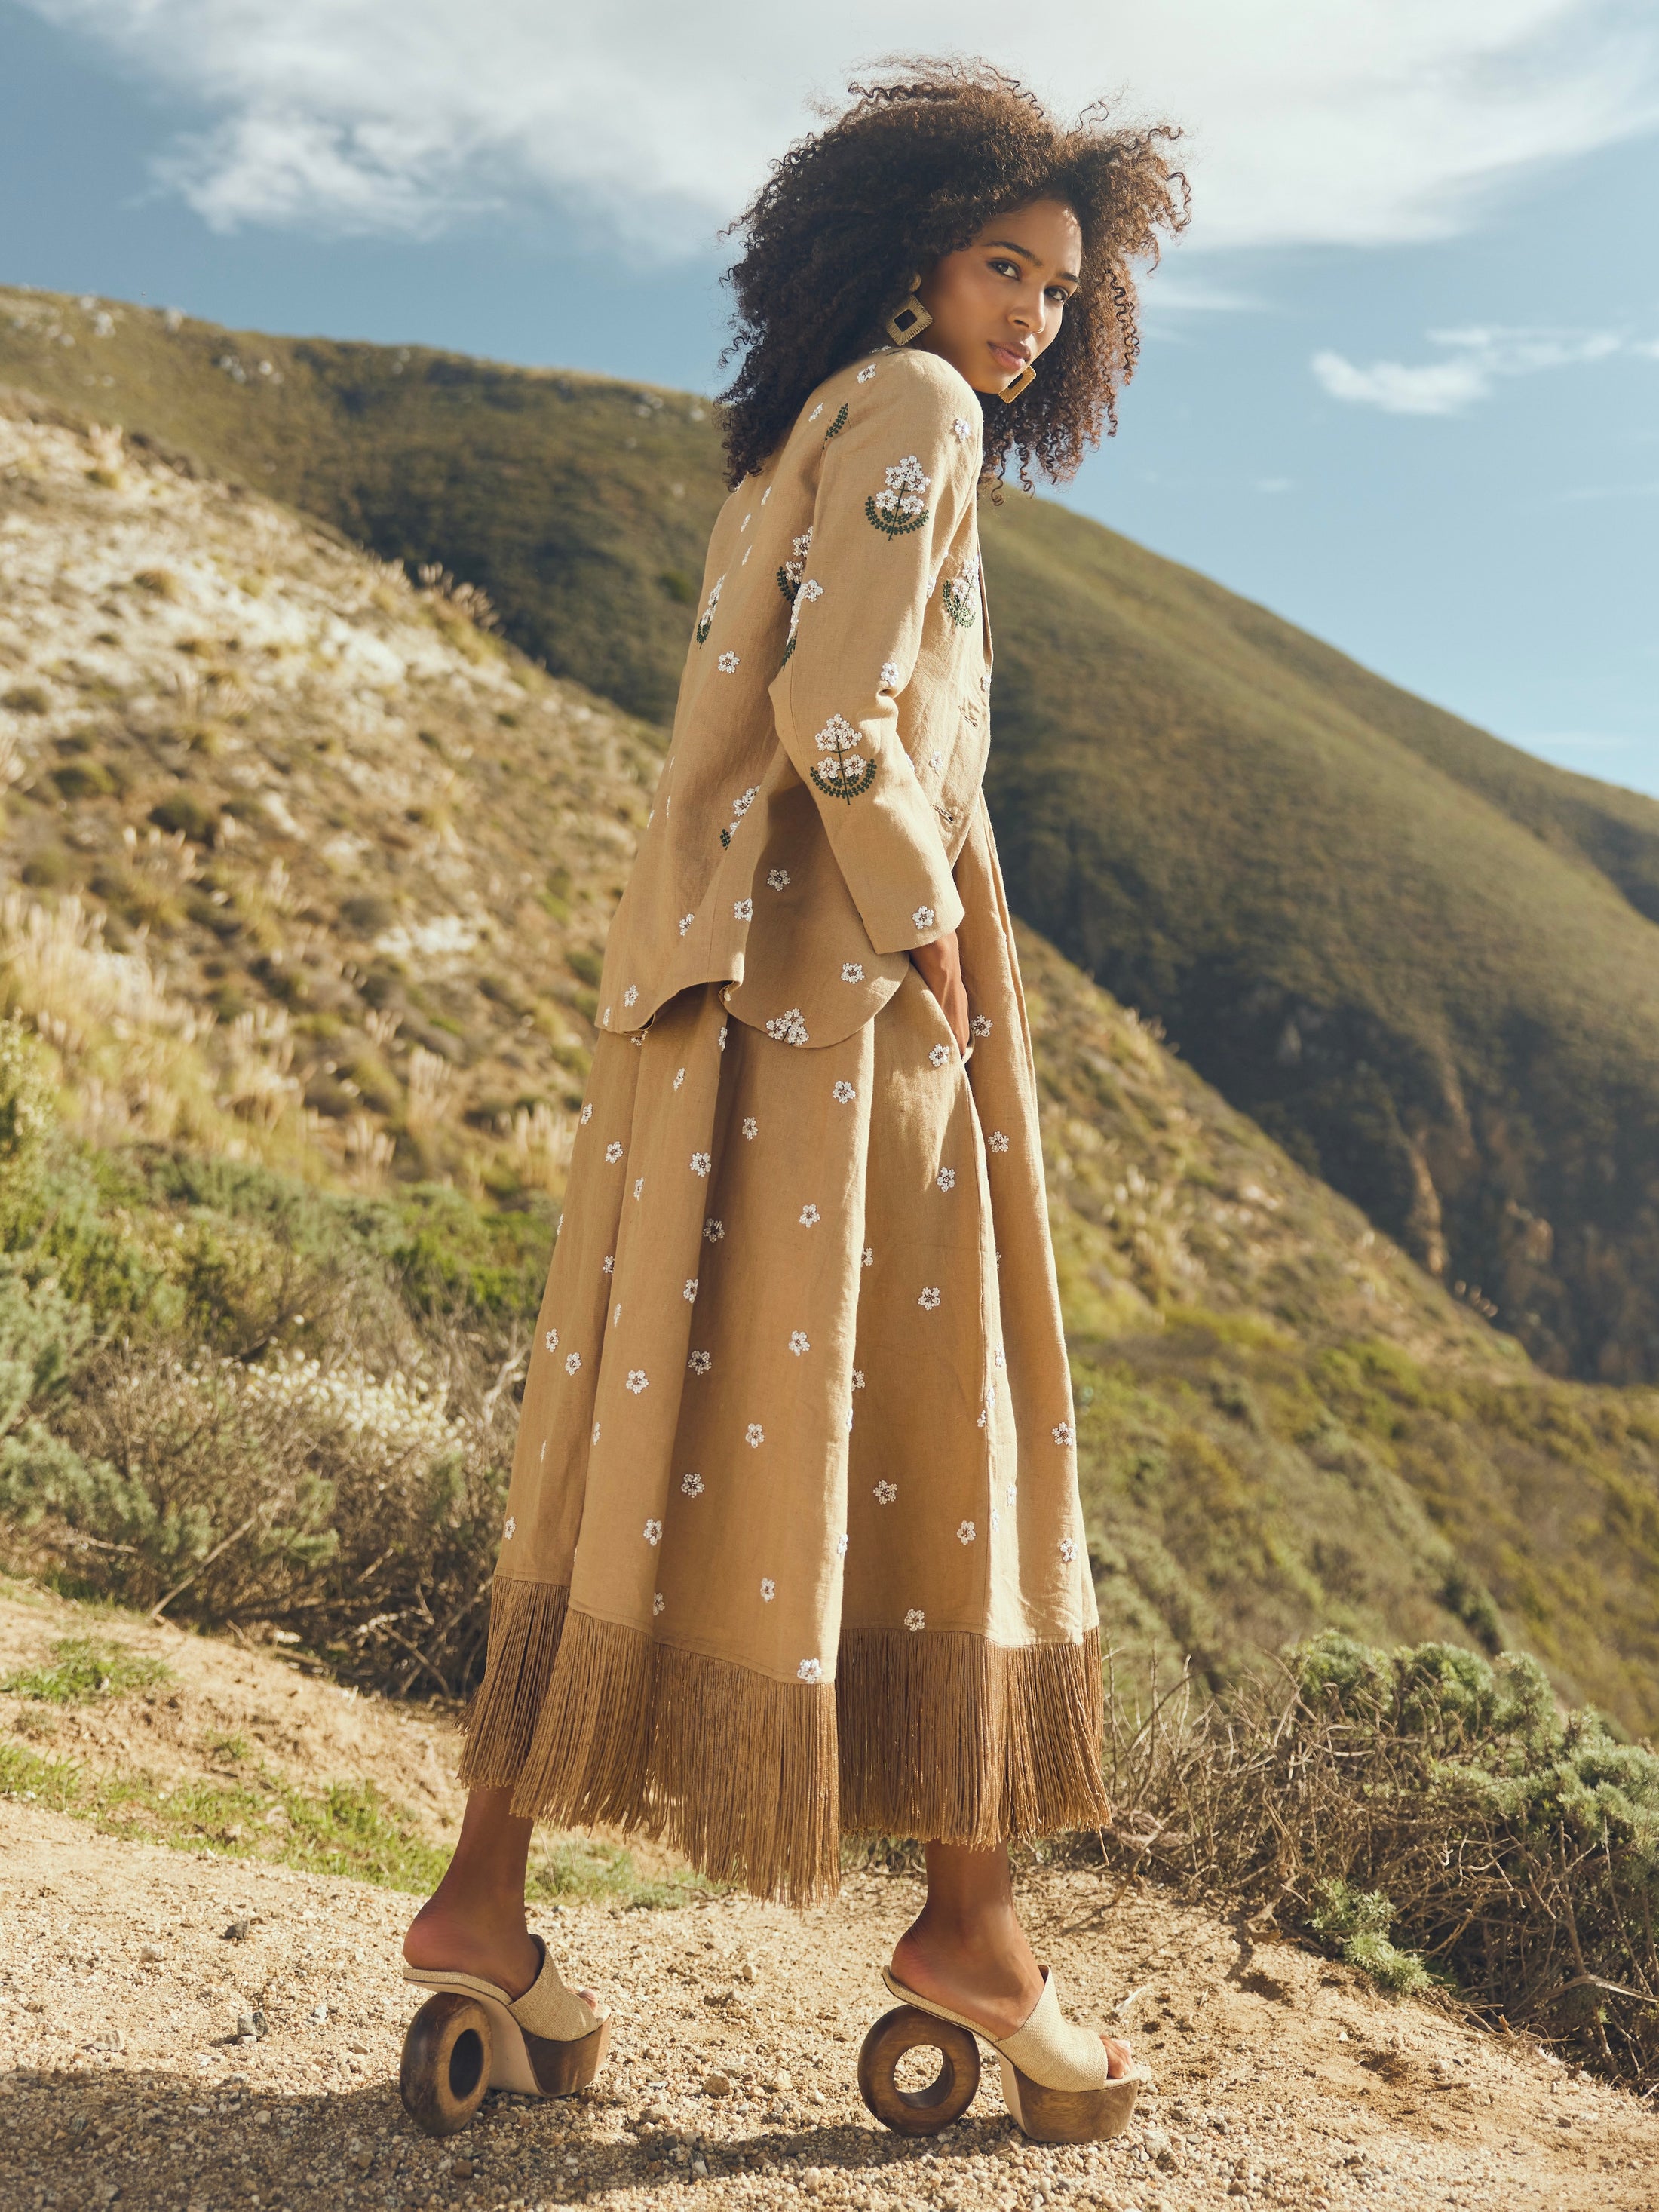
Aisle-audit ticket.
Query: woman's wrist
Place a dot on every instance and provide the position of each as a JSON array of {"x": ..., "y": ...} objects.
[{"x": 940, "y": 957}]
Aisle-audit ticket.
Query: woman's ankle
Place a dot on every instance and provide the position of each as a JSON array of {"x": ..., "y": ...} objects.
[{"x": 497, "y": 1947}]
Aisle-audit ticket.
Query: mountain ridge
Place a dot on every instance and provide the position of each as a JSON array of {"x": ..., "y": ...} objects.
[
  {"x": 308, "y": 870},
  {"x": 1423, "y": 961}
]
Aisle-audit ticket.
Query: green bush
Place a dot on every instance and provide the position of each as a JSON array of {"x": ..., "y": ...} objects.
[
  {"x": 26, "y": 1100},
  {"x": 1432, "y": 1791},
  {"x": 229, "y": 1394},
  {"x": 1358, "y": 1922}
]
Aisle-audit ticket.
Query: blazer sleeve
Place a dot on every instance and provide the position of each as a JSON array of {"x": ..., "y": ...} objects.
[{"x": 896, "y": 490}]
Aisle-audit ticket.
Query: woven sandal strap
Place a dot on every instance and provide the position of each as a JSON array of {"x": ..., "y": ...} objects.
[
  {"x": 1051, "y": 2051},
  {"x": 547, "y": 2008}
]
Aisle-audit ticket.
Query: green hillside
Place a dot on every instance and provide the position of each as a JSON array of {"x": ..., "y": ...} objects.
[
  {"x": 1425, "y": 962},
  {"x": 1381, "y": 933},
  {"x": 305, "y": 877}
]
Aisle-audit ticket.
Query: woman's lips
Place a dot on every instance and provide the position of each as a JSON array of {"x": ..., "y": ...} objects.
[{"x": 1010, "y": 357}]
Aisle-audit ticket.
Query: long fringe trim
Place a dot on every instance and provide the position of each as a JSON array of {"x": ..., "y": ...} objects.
[
  {"x": 949, "y": 1737},
  {"x": 526, "y": 1621},
  {"x": 753, "y": 1780},
  {"x": 732, "y": 1768}
]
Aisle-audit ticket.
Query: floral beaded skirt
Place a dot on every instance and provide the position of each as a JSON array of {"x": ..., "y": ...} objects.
[{"x": 792, "y": 1543}]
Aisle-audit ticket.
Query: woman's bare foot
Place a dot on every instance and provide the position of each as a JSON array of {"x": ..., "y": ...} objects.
[
  {"x": 967, "y": 1951},
  {"x": 474, "y": 1920}
]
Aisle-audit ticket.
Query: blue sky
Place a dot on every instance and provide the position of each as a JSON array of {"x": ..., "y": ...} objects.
[{"x": 1401, "y": 381}]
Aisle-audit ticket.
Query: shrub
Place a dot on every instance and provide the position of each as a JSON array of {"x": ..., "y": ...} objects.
[
  {"x": 26, "y": 1103},
  {"x": 185, "y": 812},
  {"x": 1430, "y": 1788},
  {"x": 360, "y": 1512},
  {"x": 237, "y": 1399},
  {"x": 1359, "y": 1921}
]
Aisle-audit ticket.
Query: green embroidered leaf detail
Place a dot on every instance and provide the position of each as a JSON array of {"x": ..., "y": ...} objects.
[
  {"x": 959, "y": 604},
  {"x": 897, "y": 508},
  {"x": 705, "y": 621},
  {"x": 837, "y": 427},
  {"x": 725, "y": 837},
  {"x": 892, "y": 525},
  {"x": 847, "y": 773},
  {"x": 788, "y": 650},
  {"x": 847, "y": 787},
  {"x": 794, "y": 567}
]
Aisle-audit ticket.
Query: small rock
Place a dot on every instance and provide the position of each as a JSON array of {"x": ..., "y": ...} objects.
[
  {"x": 319, "y": 2015},
  {"x": 151, "y": 1955},
  {"x": 107, "y": 2038},
  {"x": 780, "y": 2084},
  {"x": 238, "y": 1931},
  {"x": 718, "y": 2085},
  {"x": 362, "y": 2157},
  {"x": 462, "y": 2169},
  {"x": 700, "y": 2167},
  {"x": 748, "y": 1971}
]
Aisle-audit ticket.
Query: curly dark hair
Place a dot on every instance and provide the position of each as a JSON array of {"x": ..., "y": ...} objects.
[{"x": 911, "y": 171}]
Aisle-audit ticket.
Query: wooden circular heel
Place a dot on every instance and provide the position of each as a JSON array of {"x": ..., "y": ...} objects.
[
  {"x": 445, "y": 2063},
  {"x": 920, "y": 2112}
]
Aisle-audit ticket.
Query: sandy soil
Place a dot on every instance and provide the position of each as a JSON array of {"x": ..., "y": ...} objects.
[
  {"x": 133, "y": 1978},
  {"x": 304, "y": 1729}
]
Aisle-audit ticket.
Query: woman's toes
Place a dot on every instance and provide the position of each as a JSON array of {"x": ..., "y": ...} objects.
[{"x": 1119, "y": 2058}]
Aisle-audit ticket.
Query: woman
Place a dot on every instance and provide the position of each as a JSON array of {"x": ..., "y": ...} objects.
[{"x": 792, "y": 1546}]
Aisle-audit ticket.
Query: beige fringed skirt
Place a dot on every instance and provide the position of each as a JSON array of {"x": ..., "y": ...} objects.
[{"x": 792, "y": 1543}]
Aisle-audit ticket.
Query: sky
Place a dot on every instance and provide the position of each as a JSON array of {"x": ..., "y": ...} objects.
[{"x": 1401, "y": 381}]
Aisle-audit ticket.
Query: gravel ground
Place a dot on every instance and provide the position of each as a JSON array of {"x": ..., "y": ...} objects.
[{"x": 134, "y": 1978}]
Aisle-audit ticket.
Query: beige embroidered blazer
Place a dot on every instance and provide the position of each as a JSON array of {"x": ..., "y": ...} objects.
[{"x": 832, "y": 726}]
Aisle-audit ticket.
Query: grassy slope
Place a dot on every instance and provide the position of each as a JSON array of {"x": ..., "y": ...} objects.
[
  {"x": 1425, "y": 962},
  {"x": 1285, "y": 1422},
  {"x": 1443, "y": 1013}
]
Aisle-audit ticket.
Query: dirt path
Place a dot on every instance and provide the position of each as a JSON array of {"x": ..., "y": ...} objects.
[{"x": 126, "y": 1969}]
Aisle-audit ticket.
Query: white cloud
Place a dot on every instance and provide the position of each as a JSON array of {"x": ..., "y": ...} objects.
[
  {"x": 1328, "y": 121},
  {"x": 1474, "y": 361}
]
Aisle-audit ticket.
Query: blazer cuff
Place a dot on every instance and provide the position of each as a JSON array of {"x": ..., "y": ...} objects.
[{"x": 938, "y": 909}]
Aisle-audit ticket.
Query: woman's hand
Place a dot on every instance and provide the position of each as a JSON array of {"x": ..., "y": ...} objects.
[{"x": 941, "y": 964}]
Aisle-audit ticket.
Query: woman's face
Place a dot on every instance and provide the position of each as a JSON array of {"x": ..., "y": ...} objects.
[{"x": 997, "y": 304}]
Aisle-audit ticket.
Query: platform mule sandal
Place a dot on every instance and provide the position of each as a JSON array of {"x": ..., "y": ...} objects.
[
  {"x": 473, "y": 2036},
  {"x": 1055, "y": 2077}
]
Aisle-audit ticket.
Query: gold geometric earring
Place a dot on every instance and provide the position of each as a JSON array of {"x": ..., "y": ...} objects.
[
  {"x": 910, "y": 317},
  {"x": 1027, "y": 376}
]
